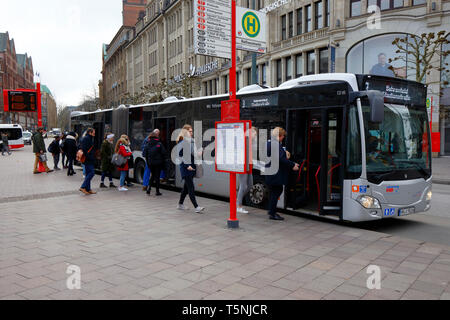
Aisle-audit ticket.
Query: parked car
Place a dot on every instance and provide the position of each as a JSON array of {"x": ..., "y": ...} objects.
[{"x": 27, "y": 137}]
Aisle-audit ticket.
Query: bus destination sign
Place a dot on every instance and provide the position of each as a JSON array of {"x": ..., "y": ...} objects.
[{"x": 22, "y": 101}]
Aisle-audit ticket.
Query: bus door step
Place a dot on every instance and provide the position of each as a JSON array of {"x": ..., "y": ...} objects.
[{"x": 329, "y": 210}]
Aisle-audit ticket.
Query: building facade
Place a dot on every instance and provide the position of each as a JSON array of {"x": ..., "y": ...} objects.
[
  {"x": 305, "y": 37},
  {"x": 49, "y": 110},
  {"x": 16, "y": 72}
]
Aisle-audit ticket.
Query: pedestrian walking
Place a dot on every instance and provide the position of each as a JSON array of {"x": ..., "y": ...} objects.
[
  {"x": 186, "y": 153},
  {"x": 246, "y": 180},
  {"x": 70, "y": 150},
  {"x": 39, "y": 151},
  {"x": 55, "y": 150},
  {"x": 156, "y": 156},
  {"x": 88, "y": 149},
  {"x": 277, "y": 181},
  {"x": 5, "y": 144},
  {"x": 122, "y": 148},
  {"x": 106, "y": 153}
]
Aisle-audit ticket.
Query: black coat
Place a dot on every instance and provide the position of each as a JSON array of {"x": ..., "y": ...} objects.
[
  {"x": 87, "y": 143},
  {"x": 70, "y": 147},
  {"x": 155, "y": 152},
  {"x": 281, "y": 177}
]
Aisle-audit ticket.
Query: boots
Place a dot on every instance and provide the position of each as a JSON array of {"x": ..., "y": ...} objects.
[
  {"x": 102, "y": 185},
  {"x": 111, "y": 185}
]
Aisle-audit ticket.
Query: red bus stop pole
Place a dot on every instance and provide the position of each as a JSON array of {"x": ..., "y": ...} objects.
[
  {"x": 39, "y": 106},
  {"x": 233, "y": 222}
]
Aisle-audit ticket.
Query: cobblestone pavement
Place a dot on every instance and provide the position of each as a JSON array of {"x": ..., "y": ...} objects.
[{"x": 131, "y": 246}]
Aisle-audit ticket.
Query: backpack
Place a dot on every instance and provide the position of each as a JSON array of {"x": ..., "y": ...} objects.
[
  {"x": 154, "y": 150},
  {"x": 51, "y": 147}
]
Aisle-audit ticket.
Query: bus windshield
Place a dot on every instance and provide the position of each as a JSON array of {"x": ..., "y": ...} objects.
[{"x": 397, "y": 148}]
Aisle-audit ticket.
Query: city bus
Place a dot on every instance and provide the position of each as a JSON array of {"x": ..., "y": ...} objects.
[
  {"x": 362, "y": 141},
  {"x": 15, "y": 135}
]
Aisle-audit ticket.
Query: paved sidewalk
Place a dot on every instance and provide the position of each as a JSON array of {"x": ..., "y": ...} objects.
[
  {"x": 131, "y": 246},
  {"x": 441, "y": 170}
]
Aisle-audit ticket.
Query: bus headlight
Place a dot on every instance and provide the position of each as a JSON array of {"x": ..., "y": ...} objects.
[
  {"x": 429, "y": 195},
  {"x": 369, "y": 202}
]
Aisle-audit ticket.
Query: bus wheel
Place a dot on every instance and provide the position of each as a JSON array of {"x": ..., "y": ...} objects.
[
  {"x": 139, "y": 170},
  {"x": 258, "y": 195}
]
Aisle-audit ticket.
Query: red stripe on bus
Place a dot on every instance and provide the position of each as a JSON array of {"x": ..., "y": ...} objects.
[{"x": 16, "y": 146}]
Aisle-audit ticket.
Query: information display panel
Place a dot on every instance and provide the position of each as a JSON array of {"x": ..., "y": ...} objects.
[
  {"x": 20, "y": 101},
  {"x": 232, "y": 146}
]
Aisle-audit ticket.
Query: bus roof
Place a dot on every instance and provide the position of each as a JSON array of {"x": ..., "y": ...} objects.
[{"x": 8, "y": 126}]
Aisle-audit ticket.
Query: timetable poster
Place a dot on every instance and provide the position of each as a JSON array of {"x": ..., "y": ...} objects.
[{"x": 231, "y": 147}]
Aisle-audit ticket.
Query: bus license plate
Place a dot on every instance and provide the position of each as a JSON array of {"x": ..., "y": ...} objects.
[{"x": 406, "y": 211}]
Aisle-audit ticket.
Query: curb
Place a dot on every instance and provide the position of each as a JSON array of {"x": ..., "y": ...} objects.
[{"x": 440, "y": 181}]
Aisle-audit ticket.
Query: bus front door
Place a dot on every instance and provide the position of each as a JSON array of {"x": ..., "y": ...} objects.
[{"x": 314, "y": 139}]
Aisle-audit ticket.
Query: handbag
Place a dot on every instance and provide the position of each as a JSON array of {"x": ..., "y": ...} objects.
[
  {"x": 118, "y": 160},
  {"x": 80, "y": 155},
  {"x": 199, "y": 171},
  {"x": 43, "y": 157}
]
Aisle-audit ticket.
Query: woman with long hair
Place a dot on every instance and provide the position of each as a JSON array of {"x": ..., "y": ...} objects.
[
  {"x": 123, "y": 149},
  {"x": 186, "y": 154}
]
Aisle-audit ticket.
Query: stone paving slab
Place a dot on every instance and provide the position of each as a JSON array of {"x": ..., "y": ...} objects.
[{"x": 131, "y": 246}]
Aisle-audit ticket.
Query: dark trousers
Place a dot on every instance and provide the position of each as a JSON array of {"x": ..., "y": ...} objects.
[
  {"x": 65, "y": 162},
  {"x": 188, "y": 189},
  {"x": 90, "y": 173},
  {"x": 275, "y": 193},
  {"x": 155, "y": 177},
  {"x": 70, "y": 171},
  {"x": 107, "y": 174},
  {"x": 56, "y": 160}
]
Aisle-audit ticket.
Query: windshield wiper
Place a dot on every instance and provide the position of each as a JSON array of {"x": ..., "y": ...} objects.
[{"x": 381, "y": 176}]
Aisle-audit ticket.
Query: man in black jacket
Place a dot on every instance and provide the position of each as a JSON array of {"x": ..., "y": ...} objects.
[
  {"x": 156, "y": 156},
  {"x": 277, "y": 181},
  {"x": 55, "y": 150},
  {"x": 70, "y": 149},
  {"x": 87, "y": 146}
]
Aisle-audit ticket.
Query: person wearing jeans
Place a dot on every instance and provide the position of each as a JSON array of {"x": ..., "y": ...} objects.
[
  {"x": 186, "y": 151},
  {"x": 123, "y": 150},
  {"x": 87, "y": 146}
]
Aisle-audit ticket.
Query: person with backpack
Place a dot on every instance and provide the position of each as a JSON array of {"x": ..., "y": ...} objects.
[
  {"x": 156, "y": 156},
  {"x": 123, "y": 149},
  {"x": 106, "y": 153},
  {"x": 186, "y": 155},
  {"x": 55, "y": 150},
  {"x": 70, "y": 150},
  {"x": 88, "y": 149}
]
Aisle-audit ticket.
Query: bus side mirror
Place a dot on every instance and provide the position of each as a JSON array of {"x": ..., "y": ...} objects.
[{"x": 376, "y": 100}]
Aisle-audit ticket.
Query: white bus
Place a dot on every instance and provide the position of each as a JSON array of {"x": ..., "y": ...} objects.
[
  {"x": 363, "y": 142},
  {"x": 15, "y": 135}
]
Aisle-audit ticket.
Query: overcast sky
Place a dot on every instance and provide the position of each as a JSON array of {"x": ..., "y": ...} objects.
[{"x": 65, "y": 39}]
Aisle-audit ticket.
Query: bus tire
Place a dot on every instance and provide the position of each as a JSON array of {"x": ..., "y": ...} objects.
[
  {"x": 139, "y": 169},
  {"x": 259, "y": 194}
]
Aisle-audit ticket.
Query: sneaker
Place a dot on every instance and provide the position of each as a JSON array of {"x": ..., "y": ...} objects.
[
  {"x": 181, "y": 207},
  {"x": 122, "y": 189},
  {"x": 199, "y": 210},
  {"x": 102, "y": 185},
  {"x": 242, "y": 210}
]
